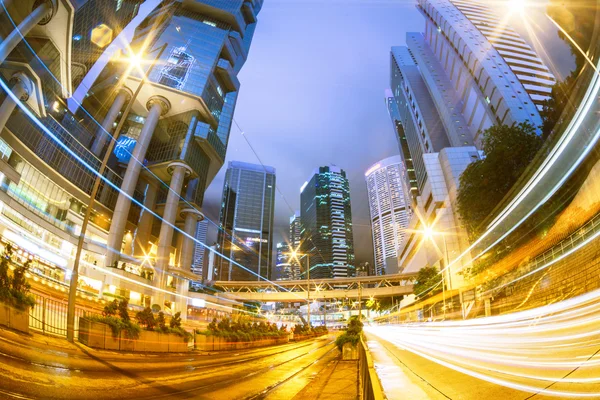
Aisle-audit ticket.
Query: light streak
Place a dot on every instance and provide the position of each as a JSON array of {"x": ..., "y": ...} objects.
[{"x": 524, "y": 350}]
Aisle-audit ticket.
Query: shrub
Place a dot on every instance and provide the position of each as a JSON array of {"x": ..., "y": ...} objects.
[
  {"x": 161, "y": 322},
  {"x": 123, "y": 313},
  {"x": 110, "y": 310},
  {"x": 176, "y": 320},
  {"x": 352, "y": 334},
  {"x": 15, "y": 291},
  {"x": 146, "y": 318}
]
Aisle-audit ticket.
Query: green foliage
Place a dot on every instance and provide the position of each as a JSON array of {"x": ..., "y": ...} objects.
[
  {"x": 131, "y": 329},
  {"x": 484, "y": 183},
  {"x": 14, "y": 291},
  {"x": 161, "y": 322},
  {"x": 146, "y": 318},
  {"x": 123, "y": 312},
  {"x": 110, "y": 310},
  {"x": 243, "y": 331},
  {"x": 175, "y": 320},
  {"x": 346, "y": 338},
  {"x": 427, "y": 278},
  {"x": 352, "y": 334}
]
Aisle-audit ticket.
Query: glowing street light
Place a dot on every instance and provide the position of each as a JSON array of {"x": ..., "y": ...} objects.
[{"x": 516, "y": 6}]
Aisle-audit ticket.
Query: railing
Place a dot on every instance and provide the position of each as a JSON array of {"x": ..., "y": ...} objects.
[
  {"x": 50, "y": 316},
  {"x": 369, "y": 386}
]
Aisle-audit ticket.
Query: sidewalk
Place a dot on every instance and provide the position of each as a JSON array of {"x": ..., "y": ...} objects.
[
  {"x": 339, "y": 381},
  {"x": 398, "y": 381}
]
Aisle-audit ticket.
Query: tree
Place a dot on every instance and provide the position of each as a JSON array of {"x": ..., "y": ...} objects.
[
  {"x": 123, "y": 313},
  {"x": 175, "y": 320},
  {"x": 428, "y": 282},
  {"x": 146, "y": 318},
  {"x": 110, "y": 310},
  {"x": 484, "y": 183}
]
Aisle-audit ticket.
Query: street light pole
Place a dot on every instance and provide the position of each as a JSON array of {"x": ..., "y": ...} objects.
[
  {"x": 308, "y": 286},
  {"x": 92, "y": 202}
]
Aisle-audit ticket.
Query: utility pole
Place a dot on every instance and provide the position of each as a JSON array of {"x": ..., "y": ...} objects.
[{"x": 308, "y": 287}]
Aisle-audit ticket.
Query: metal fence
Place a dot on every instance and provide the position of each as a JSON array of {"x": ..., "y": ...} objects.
[
  {"x": 368, "y": 381},
  {"x": 50, "y": 316}
]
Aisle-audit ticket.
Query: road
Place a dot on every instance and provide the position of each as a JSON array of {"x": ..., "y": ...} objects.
[
  {"x": 41, "y": 367},
  {"x": 548, "y": 352}
]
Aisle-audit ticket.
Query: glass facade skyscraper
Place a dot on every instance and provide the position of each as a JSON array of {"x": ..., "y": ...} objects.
[
  {"x": 246, "y": 222},
  {"x": 177, "y": 128},
  {"x": 389, "y": 211},
  {"x": 295, "y": 240},
  {"x": 326, "y": 216},
  {"x": 199, "y": 250}
]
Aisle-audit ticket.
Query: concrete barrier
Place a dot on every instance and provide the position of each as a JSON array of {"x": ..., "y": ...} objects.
[
  {"x": 14, "y": 319},
  {"x": 217, "y": 343},
  {"x": 100, "y": 336}
]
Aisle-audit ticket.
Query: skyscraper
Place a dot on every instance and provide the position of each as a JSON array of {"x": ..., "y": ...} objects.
[
  {"x": 177, "y": 129},
  {"x": 326, "y": 217},
  {"x": 283, "y": 267},
  {"x": 200, "y": 250},
  {"x": 246, "y": 234},
  {"x": 388, "y": 209},
  {"x": 295, "y": 238}
]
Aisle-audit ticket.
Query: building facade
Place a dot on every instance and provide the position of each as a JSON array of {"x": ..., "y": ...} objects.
[
  {"x": 326, "y": 217},
  {"x": 200, "y": 250},
  {"x": 246, "y": 222},
  {"x": 283, "y": 266},
  {"x": 171, "y": 144},
  {"x": 388, "y": 210},
  {"x": 295, "y": 241}
]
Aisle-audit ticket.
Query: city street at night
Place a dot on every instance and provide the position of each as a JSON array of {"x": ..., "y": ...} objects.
[
  {"x": 48, "y": 368},
  {"x": 299, "y": 199}
]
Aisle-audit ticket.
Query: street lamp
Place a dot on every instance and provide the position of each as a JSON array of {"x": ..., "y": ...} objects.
[
  {"x": 295, "y": 254},
  {"x": 134, "y": 63},
  {"x": 429, "y": 234}
]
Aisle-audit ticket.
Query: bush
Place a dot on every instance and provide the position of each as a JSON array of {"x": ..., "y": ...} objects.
[
  {"x": 176, "y": 320},
  {"x": 131, "y": 329},
  {"x": 123, "y": 313},
  {"x": 15, "y": 291},
  {"x": 146, "y": 318},
  {"x": 352, "y": 334},
  {"x": 110, "y": 310}
]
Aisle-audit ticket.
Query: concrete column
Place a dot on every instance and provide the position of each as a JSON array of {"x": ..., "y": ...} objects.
[
  {"x": 144, "y": 228},
  {"x": 191, "y": 216},
  {"x": 178, "y": 171},
  {"x": 157, "y": 106},
  {"x": 42, "y": 13},
  {"x": 22, "y": 88},
  {"x": 103, "y": 132}
]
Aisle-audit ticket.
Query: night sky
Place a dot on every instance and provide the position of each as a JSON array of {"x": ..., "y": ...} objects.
[{"x": 312, "y": 94}]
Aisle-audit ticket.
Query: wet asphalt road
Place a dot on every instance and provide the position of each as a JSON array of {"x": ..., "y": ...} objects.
[{"x": 39, "y": 367}]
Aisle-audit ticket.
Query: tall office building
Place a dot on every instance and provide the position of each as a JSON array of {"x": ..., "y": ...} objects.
[
  {"x": 326, "y": 217},
  {"x": 283, "y": 267},
  {"x": 295, "y": 238},
  {"x": 389, "y": 211},
  {"x": 199, "y": 250},
  {"x": 178, "y": 129},
  {"x": 483, "y": 69},
  {"x": 246, "y": 234}
]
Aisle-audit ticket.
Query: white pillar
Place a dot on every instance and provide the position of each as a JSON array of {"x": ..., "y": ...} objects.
[
  {"x": 165, "y": 239},
  {"x": 22, "y": 88},
  {"x": 157, "y": 106},
  {"x": 144, "y": 228},
  {"x": 103, "y": 133},
  {"x": 191, "y": 216},
  {"x": 41, "y": 14}
]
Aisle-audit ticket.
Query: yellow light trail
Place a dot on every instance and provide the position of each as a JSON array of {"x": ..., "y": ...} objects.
[{"x": 551, "y": 350}]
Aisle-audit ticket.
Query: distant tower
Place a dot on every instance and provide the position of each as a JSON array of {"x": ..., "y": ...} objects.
[
  {"x": 389, "y": 211},
  {"x": 200, "y": 250},
  {"x": 295, "y": 241},
  {"x": 283, "y": 267},
  {"x": 326, "y": 217},
  {"x": 246, "y": 234}
]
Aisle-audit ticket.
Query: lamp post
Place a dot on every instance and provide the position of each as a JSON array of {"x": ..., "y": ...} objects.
[
  {"x": 429, "y": 234},
  {"x": 92, "y": 201},
  {"x": 295, "y": 255}
]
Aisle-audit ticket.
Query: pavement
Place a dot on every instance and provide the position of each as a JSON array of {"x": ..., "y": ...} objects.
[{"x": 43, "y": 367}]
